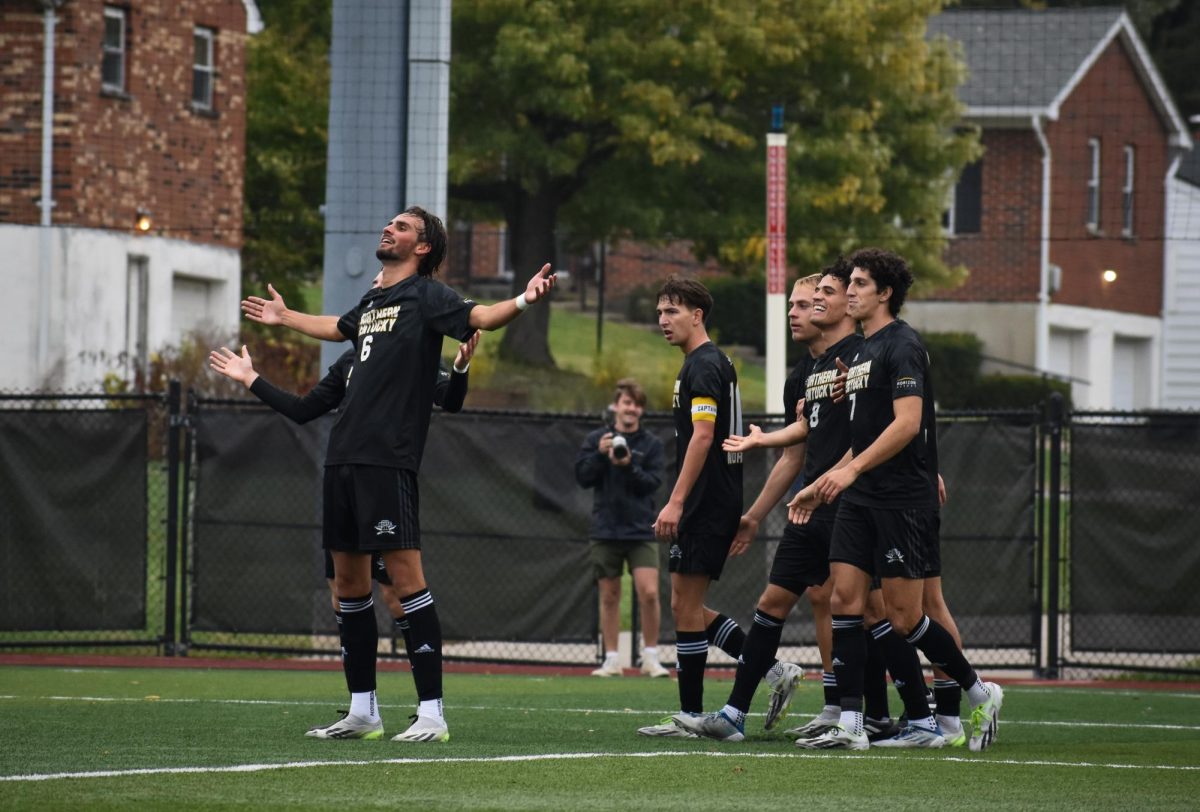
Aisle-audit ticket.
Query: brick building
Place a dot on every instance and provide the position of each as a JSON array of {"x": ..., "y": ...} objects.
[
  {"x": 1061, "y": 223},
  {"x": 133, "y": 236}
]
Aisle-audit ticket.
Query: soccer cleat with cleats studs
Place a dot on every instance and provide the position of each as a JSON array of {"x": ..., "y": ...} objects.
[
  {"x": 712, "y": 726},
  {"x": 985, "y": 719},
  {"x": 669, "y": 727},
  {"x": 783, "y": 679},
  {"x": 913, "y": 737},
  {"x": 349, "y": 726},
  {"x": 815, "y": 726},
  {"x": 424, "y": 729},
  {"x": 835, "y": 738}
]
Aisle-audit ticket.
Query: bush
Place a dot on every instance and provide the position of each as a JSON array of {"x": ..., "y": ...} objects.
[
  {"x": 954, "y": 362},
  {"x": 1013, "y": 392}
]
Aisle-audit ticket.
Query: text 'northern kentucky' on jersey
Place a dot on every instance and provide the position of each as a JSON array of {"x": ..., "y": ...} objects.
[
  {"x": 707, "y": 390},
  {"x": 828, "y": 422},
  {"x": 397, "y": 333},
  {"x": 893, "y": 364}
]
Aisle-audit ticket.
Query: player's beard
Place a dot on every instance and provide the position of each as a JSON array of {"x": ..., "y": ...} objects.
[{"x": 389, "y": 255}]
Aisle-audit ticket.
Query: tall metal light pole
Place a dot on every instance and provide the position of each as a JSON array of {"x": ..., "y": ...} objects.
[{"x": 776, "y": 322}]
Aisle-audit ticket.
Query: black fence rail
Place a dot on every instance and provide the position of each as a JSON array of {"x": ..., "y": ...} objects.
[{"x": 1068, "y": 542}]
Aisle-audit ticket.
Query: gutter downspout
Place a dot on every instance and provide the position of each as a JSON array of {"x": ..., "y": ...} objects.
[
  {"x": 46, "y": 203},
  {"x": 1160, "y": 390},
  {"x": 1042, "y": 341}
]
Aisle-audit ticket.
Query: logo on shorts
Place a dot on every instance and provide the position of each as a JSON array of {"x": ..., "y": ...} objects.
[
  {"x": 676, "y": 551},
  {"x": 894, "y": 556},
  {"x": 385, "y": 528}
]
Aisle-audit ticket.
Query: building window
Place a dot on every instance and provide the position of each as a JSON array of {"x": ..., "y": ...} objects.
[
  {"x": 964, "y": 213},
  {"x": 112, "y": 65},
  {"x": 1127, "y": 194},
  {"x": 202, "y": 68},
  {"x": 1093, "y": 196}
]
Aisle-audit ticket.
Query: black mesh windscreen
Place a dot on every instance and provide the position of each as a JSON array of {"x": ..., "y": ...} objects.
[
  {"x": 73, "y": 511},
  {"x": 1134, "y": 551}
]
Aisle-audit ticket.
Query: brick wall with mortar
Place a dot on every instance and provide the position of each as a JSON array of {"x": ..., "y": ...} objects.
[{"x": 146, "y": 148}]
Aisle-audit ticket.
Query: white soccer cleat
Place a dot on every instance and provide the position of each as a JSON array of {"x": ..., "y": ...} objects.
[
  {"x": 653, "y": 668},
  {"x": 817, "y": 725},
  {"x": 348, "y": 727},
  {"x": 835, "y": 738},
  {"x": 712, "y": 726},
  {"x": 985, "y": 719},
  {"x": 669, "y": 728},
  {"x": 424, "y": 729},
  {"x": 913, "y": 737},
  {"x": 783, "y": 679}
]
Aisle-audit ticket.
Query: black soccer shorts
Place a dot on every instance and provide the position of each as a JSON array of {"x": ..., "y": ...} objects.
[
  {"x": 369, "y": 508},
  {"x": 802, "y": 557},
  {"x": 888, "y": 543}
]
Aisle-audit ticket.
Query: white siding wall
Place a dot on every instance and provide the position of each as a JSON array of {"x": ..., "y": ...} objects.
[
  {"x": 1181, "y": 299},
  {"x": 90, "y": 313}
]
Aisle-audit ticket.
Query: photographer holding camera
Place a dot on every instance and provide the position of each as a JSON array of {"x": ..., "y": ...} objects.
[{"x": 624, "y": 464}]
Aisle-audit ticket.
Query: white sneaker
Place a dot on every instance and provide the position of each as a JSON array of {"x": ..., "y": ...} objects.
[
  {"x": 608, "y": 668},
  {"x": 817, "y": 725},
  {"x": 669, "y": 728},
  {"x": 349, "y": 726},
  {"x": 835, "y": 738},
  {"x": 985, "y": 719},
  {"x": 424, "y": 729},
  {"x": 653, "y": 668},
  {"x": 783, "y": 679}
]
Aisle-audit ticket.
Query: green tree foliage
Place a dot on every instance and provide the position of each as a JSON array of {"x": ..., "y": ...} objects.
[
  {"x": 287, "y": 113},
  {"x": 647, "y": 118}
]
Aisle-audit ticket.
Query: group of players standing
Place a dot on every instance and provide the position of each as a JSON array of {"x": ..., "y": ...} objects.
[
  {"x": 860, "y": 424},
  {"x": 862, "y": 536}
]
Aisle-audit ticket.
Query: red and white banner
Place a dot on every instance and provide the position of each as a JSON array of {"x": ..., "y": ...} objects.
[{"x": 776, "y": 213}]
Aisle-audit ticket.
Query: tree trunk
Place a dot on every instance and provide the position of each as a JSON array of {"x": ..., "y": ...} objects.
[{"x": 531, "y": 221}]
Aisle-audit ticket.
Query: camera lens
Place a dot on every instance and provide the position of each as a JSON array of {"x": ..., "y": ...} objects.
[{"x": 620, "y": 448}]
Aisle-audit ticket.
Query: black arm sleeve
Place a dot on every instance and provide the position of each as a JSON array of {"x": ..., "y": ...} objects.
[
  {"x": 324, "y": 397},
  {"x": 450, "y": 390}
]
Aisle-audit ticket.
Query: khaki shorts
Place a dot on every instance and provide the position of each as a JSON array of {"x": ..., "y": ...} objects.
[{"x": 608, "y": 556}]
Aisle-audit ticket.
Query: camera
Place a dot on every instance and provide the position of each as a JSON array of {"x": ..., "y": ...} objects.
[{"x": 620, "y": 448}]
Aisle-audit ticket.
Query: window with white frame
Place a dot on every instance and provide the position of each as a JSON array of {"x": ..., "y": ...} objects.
[
  {"x": 1127, "y": 193},
  {"x": 202, "y": 68},
  {"x": 1093, "y": 190},
  {"x": 112, "y": 62}
]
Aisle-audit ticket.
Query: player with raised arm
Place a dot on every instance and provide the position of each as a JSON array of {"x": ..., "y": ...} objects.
[
  {"x": 888, "y": 484},
  {"x": 375, "y": 448}
]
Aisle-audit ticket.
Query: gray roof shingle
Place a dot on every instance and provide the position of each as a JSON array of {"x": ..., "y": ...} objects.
[{"x": 1020, "y": 58}]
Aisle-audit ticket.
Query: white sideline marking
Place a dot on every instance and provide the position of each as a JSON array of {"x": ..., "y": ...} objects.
[
  {"x": 252, "y": 768},
  {"x": 584, "y": 711}
]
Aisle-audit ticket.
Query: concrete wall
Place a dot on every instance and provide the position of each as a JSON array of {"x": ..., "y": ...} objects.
[{"x": 93, "y": 321}]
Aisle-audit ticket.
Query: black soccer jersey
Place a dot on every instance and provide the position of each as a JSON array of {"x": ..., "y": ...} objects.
[
  {"x": 707, "y": 389},
  {"x": 828, "y": 422},
  {"x": 397, "y": 333},
  {"x": 893, "y": 364}
]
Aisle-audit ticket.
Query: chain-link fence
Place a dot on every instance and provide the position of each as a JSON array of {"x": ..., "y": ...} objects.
[{"x": 1067, "y": 543}]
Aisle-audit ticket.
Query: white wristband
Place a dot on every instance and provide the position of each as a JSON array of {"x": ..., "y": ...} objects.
[
  {"x": 520, "y": 302},
  {"x": 463, "y": 370}
]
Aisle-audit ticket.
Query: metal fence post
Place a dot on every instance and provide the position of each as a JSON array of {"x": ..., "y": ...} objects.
[
  {"x": 1055, "y": 418},
  {"x": 170, "y": 607},
  {"x": 635, "y": 623}
]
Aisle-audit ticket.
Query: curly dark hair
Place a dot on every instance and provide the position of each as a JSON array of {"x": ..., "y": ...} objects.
[
  {"x": 689, "y": 292},
  {"x": 888, "y": 270},
  {"x": 839, "y": 268},
  {"x": 434, "y": 233}
]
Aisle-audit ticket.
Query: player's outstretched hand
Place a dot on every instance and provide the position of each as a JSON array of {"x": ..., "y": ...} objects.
[
  {"x": 265, "y": 311},
  {"x": 466, "y": 350},
  {"x": 747, "y": 530},
  {"x": 738, "y": 442},
  {"x": 237, "y": 367},
  {"x": 801, "y": 508},
  {"x": 540, "y": 284},
  {"x": 839, "y": 383}
]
